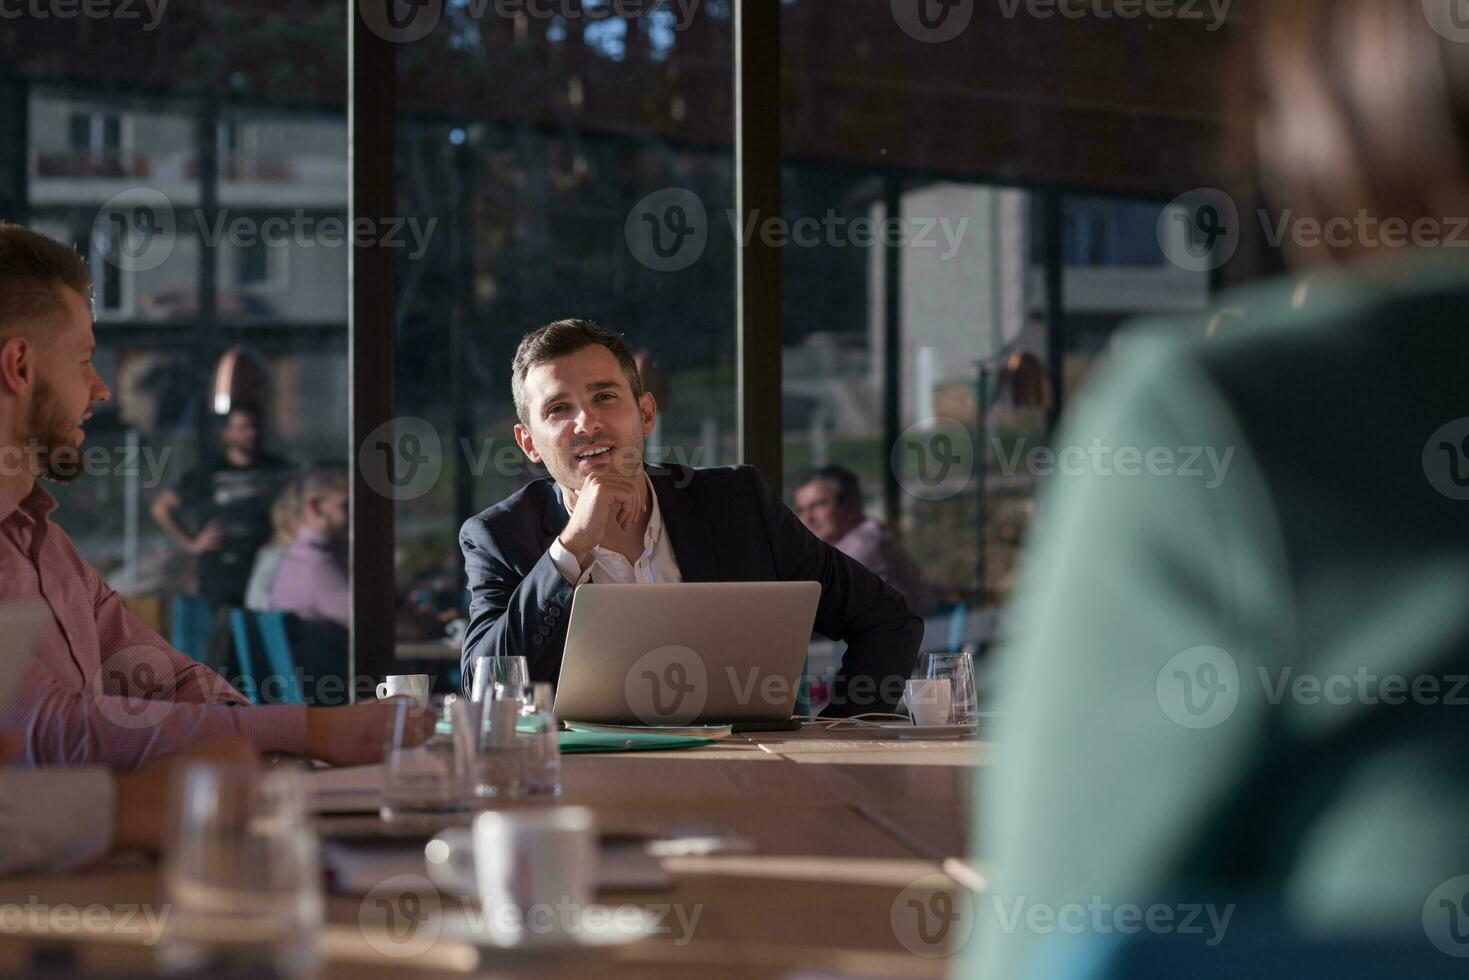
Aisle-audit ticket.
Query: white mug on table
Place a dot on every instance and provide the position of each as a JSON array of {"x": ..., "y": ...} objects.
[
  {"x": 533, "y": 870},
  {"x": 930, "y": 701},
  {"x": 415, "y": 686}
]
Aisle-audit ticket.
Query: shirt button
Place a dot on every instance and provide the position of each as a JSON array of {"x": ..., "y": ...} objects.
[
  {"x": 538, "y": 640},
  {"x": 543, "y": 630}
]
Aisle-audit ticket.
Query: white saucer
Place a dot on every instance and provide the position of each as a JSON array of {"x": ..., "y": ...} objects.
[
  {"x": 609, "y": 927},
  {"x": 904, "y": 729}
]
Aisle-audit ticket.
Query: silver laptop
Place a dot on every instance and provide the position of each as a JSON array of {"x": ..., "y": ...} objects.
[{"x": 691, "y": 653}]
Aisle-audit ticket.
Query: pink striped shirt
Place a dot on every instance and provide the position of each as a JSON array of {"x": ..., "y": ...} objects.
[{"x": 105, "y": 689}]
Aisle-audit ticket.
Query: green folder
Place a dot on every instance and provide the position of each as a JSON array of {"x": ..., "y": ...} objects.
[{"x": 574, "y": 742}]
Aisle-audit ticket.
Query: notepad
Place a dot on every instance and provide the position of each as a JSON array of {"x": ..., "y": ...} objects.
[{"x": 573, "y": 743}]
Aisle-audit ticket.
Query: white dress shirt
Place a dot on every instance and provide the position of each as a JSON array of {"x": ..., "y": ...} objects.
[
  {"x": 53, "y": 819},
  {"x": 655, "y": 564}
]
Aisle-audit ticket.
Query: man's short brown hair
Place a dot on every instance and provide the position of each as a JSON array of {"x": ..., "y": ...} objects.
[
  {"x": 32, "y": 266},
  {"x": 559, "y": 339}
]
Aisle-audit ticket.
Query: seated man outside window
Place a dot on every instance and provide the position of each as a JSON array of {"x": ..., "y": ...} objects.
[
  {"x": 829, "y": 502},
  {"x": 603, "y": 516}
]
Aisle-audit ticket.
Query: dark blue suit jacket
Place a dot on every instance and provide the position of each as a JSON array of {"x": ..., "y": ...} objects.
[{"x": 725, "y": 525}]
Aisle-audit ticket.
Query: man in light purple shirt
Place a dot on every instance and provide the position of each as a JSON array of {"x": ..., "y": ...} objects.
[
  {"x": 312, "y": 579},
  {"x": 104, "y": 688},
  {"x": 829, "y": 502}
]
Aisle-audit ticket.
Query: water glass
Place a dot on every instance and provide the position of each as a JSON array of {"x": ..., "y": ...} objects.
[
  {"x": 958, "y": 670},
  {"x": 240, "y": 873},
  {"x": 513, "y": 672},
  {"x": 542, "y": 775},
  {"x": 432, "y": 776},
  {"x": 503, "y": 748}
]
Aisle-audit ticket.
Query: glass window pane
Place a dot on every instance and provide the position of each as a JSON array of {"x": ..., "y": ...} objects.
[{"x": 538, "y": 158}]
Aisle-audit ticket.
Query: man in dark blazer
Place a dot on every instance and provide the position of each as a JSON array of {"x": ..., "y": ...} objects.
[{"x": 602, "y": 516}]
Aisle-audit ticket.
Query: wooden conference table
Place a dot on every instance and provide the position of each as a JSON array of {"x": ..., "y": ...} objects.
[{"x": 849, "y": 831}]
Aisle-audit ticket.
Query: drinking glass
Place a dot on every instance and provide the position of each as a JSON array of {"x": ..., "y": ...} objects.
[
  {"x": 958, "y": 670},
  {"x": 542, "y": 775},
  {"x": 503, "y": 747},
  {"x": 240, "y": 873},
  {"x": 489, "y": 671},
  {"x": 427, "y": 777}
]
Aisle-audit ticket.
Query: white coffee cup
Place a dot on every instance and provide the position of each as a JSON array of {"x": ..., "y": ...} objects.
[
  {"x": 930, "y": 701},
  {"x": 533, "y": 870},
  {"x": 415, "y": 686}
]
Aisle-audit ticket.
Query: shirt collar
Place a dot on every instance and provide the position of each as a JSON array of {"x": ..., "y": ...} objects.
[{"x": 34, "y": 508}]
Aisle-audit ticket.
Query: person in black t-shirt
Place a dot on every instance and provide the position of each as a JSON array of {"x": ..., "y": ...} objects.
[{"x": 220, "y": 511}]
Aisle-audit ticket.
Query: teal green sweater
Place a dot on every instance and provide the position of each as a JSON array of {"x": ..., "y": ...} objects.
[{"x": 1198, "y": 689}]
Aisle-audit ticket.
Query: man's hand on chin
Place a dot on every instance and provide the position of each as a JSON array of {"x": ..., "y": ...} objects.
[{"x": 604, "y": 497}]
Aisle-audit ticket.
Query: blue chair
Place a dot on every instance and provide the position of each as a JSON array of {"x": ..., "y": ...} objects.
[
  {"x": 192, "y": 622},
  {"x": 260, "y": 640},
  {"x": 803, "y": 694}
]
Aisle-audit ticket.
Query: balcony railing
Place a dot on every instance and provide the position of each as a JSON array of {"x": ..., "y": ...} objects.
[{"x": 91, "y": 163}]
